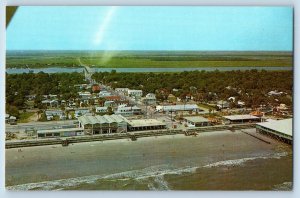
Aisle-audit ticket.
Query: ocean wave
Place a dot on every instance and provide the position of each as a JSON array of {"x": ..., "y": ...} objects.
[
  {"x": 152, "y": 176},
  {"x": 142, "y": 175},
  {"x": 241, "y": 161}
]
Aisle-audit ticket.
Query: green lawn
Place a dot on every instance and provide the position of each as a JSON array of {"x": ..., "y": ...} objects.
[
  {"x": 206, "y": 106},
  {"x": 25, "y": 116}
]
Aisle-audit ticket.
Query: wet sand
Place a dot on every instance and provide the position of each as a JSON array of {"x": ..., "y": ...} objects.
[{"x": 214, "y": 160}]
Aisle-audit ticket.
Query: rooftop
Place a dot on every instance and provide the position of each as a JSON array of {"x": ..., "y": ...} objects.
[
  {"x": 196, "y": 119},
  {"x": 128, "y": 108},
  {"x": 283, "y": 126},
  {"x": 89, "y": 119},
  {"x": 177, "y": 107},
  {"x": 145, "y": 122},
  {"x": 241, "y": 117}
]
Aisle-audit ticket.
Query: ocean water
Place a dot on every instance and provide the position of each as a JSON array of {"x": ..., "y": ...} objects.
[{"x": 169, "y": 177}]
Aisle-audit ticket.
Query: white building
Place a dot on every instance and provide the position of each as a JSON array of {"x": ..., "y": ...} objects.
[
  {"x": 101, "y": 109},
  {"x": 222, "y": 104},
  {"x": 150, "y": 99},
  {"x": 174, "y": 108},
  {"x": 81, "y": 112},
  {"x": 280, "y": 129},
  {"x": 196, "y": 121},
  {"x": 128, "y": 111},
  {"x": 104, "y": 93},
  {"x": 135, "y": 93},
  {"x": 103, "y": 124},
  {"x": 239, "y": 119},
  {"x": 275, "y": 93},
  {"x": 84, "y": 95},
  {"x": 51, "y": 113}
]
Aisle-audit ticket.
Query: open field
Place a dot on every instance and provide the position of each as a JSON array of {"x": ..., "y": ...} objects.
[{"x": 146, "y": 59}]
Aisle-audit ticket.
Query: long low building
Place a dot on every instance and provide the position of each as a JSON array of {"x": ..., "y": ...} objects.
[
  {"x": 281, "y": 129},
  {"x": 145, "y": 124},
  {"x": 103, "y": 124},
  {"x": 67, "y": 132},
  {"x": 175, "y": 108},
  {"x": 238, "y": 119},
  {"x": 196, "y": 121}
]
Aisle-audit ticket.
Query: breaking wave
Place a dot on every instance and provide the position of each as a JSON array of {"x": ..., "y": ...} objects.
[
  {"x": 153, "y": 177},
  {"x": 156, "y": 172},
  {"x": 241, "y": 161}
]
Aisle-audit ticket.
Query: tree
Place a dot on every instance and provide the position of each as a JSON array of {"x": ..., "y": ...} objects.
[
  {"x": 109, "y": 111},
  {"x": 13, "y": 111}
]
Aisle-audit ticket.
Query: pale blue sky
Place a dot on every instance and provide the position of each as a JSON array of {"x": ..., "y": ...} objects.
[{"x": 151, "y": 28}]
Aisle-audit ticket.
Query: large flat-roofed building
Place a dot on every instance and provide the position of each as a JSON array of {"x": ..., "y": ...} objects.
[
  {"x": 67, "y": 132},
  {"x": 103, "y": 124},
  {"x": 196, "y": 121},
  {"x": 280, "y": 129},
  {"x": 145, "y": 124},
  {"x": 239, "y": 119},
  {"x": 174, "y": 108}
]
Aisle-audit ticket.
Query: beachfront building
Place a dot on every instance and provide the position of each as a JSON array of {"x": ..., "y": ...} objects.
[
  {"x": 196, "y": 121},
  {"x": 279, "y": 129},
  {"x": 135, "y": 93},
  {"x": 145, "y": 124},
  {"x": 150, "y": 99},
  {"x": 103, "y": 124},
  {"x": 54, "y": 133},
  {"x": 128, "y": 111},
  {"x": 240, "y": 119},
  {"x": 175, "y": 108}
]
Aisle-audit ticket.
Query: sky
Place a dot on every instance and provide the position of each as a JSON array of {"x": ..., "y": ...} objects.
[{"x": 151, "y": 28}]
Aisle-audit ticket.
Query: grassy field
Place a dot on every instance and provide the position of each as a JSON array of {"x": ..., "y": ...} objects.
[
  {"x": 145, "y": 59},
  {"x": 24, "y": 117}
]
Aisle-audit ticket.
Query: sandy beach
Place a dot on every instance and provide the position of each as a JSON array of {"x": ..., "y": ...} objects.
[{"x": 215, "y": 160}]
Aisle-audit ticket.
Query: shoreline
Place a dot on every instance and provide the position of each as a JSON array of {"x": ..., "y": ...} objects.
[{"x": 118, "y": 156}]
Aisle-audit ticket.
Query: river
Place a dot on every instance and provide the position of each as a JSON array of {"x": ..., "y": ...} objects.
[{"x": 134, "y": 70}]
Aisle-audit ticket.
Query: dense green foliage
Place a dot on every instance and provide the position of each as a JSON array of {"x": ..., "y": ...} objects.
[
  {"x": 20, "y": 85},
  {"x": 145, "y": 59},
  {"x": 249, "y": 86}
]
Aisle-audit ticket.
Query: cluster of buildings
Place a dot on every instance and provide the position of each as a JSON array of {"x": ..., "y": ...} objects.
[
  {"x": 110, "y": 124},
  {"x": 107, "y": 124}
]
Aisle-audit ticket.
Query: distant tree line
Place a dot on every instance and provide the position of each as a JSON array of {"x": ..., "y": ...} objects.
[{"x": 251, "y": 86}]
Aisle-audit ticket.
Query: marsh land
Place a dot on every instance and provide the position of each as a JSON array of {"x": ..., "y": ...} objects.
[{"x": 147, "y": 59}]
